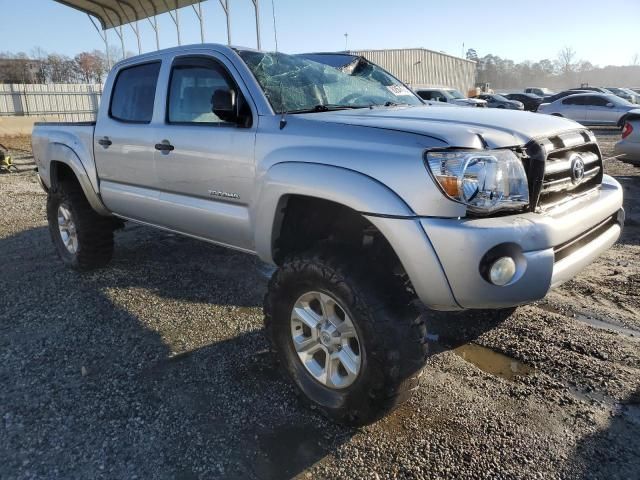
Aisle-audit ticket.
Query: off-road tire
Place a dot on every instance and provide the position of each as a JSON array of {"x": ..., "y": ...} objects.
[
  {"x": 95, "y": 232},
  {"x": 391, "y": 330}
]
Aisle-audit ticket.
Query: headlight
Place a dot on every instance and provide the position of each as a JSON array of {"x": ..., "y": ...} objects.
[{"x": 486, "y": 181}]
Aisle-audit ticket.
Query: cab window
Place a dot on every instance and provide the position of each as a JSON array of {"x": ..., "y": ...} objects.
[
  {"x": 596, "y": 101},
  {"x": 573, "y": 101},
  {"x": 134, "y": 92},
  {"x": 192, "y": 86}
]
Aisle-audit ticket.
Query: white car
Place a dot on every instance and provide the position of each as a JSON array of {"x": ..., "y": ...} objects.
[
  {"x": 629, "y": 145},
  {"x": 591, "y": 108},
  {"x": 449, "y": 95}
]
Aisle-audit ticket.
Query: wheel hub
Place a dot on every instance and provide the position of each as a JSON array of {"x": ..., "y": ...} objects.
[
  {"x": 67, "y": 228},
  {"x": 325, "y": 340}
]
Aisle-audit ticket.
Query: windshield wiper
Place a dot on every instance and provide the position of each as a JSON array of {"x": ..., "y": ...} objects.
[{"x": 326, "y": 108}]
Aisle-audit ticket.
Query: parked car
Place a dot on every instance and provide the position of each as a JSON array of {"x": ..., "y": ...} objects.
[
  {"x": 498, "y": 101},
  {"x": 540, "y": 91},
  {"x": 625, "y": 93},
  {"x": 449, "y": 95},
  {"x": 565, "y": 93},
  {"x": 593, "y": 89},
  {"x": 367, "y": 201},
  {"x": 591, "y": 108},
  {"x": 629, "y": 144},
  {"x": 529, "y": 100}
]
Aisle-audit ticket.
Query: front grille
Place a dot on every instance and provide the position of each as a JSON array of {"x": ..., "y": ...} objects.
[{"x": 562, "y": 167}]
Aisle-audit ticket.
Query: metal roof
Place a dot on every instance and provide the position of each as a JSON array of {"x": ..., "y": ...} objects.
[{"x": 114, "y": 13}]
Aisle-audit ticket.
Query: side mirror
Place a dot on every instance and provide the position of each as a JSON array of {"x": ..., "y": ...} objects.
[
  {"x": 231, "y": 107},
  {"x": 610, "y": 105},
  {"x": 224, "y": 105}
]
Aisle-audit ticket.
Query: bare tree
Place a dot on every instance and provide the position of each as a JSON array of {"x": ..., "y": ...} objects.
[
  {"x": 62, "y": 69},
  {"x": 635, "y": 60},
  {"x": 88, "y": 66},
  {"x": 102, "y": 67},
  {"x": 565, "y": 60},
  {"x": 39, "y": 55}
]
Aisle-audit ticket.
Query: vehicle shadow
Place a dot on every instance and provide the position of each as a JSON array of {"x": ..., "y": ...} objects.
[
  {"x": 92, "y": 384},
  {"x": 611, "y": 452},
  {"x": 156, "y": 366},
  {"x": 450, "y": 330}
]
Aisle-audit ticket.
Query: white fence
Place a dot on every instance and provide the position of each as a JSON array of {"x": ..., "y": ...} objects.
[{"x": 62, "y": 101}]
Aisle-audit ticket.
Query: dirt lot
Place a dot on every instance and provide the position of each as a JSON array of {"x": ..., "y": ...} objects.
[{"x": 156, "y": 367}]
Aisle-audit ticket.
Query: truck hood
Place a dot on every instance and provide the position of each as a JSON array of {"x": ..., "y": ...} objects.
[{"x": 458, "y": 127}]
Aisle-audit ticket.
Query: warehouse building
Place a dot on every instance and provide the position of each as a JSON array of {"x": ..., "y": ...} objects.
[{"x": 419, "y": 67}]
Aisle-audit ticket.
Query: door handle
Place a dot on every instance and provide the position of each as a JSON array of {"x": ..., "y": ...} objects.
[
  {"x": 165, "y": 146},
  {"x": 105, "y": 142}
]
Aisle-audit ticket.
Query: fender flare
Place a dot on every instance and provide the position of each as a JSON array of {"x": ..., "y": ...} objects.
[
  {"x": 346, "y": 187},
  {"x": 59, "y": 152}
]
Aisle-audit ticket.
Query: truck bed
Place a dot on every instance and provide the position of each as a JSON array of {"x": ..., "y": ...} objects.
[{"x": 51, "y": 140}]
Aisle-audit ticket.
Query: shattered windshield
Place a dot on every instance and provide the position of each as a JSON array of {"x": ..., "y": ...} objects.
[{"x": 295, "y": 84}]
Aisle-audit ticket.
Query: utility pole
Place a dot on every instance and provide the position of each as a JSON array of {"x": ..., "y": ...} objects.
[{"x": 346, "y": 42}]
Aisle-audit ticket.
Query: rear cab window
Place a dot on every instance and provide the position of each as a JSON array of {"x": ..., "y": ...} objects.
[
  {"x": 426, "y": 95},
  {"x": 133, "y": 93}
]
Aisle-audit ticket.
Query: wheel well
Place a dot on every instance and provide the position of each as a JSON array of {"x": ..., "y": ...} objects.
[
  {"x": 61, "y": 173},
  {"x": 304, "y": 222}
]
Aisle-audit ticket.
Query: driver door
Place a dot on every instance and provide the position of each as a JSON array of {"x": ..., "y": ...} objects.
[
  {"x": 599, "y": 113},
  {"x": 205, "y": 162}
]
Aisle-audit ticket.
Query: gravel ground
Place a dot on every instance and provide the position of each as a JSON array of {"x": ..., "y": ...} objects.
[{"x": 156, "y": 367}]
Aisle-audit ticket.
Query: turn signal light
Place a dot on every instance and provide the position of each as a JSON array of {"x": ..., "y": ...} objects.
[{"x": 450, "y": 184}]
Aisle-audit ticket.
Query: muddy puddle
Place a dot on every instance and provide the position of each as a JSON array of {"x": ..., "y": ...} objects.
[
  {"x": 594, "y": 322},
  {"x": 493, "y": 362}
]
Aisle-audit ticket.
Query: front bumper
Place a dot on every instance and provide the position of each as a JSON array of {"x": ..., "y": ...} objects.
[{"x": 550, "y": 247}]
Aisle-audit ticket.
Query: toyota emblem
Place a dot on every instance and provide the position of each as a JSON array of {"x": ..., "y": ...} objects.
[{"x": 577, "y": 168}]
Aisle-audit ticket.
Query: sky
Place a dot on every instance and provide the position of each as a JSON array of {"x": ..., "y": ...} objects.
[{"x": 604, "y": 34}]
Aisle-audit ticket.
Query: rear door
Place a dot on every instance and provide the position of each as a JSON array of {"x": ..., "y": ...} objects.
[
  {"x": 123, "y": 141},
  {"x": 573, "y": 107},
  {"x": 207, "y": 177}
]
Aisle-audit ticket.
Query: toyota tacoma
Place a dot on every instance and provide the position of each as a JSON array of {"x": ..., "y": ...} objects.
[{"x": 374, "y": 207}]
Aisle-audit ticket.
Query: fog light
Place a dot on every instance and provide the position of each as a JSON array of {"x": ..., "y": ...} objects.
[{"x": 502, "y": 271}]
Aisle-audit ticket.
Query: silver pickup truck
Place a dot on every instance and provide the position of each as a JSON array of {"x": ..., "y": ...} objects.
[{"x": 371, "y": 203}]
